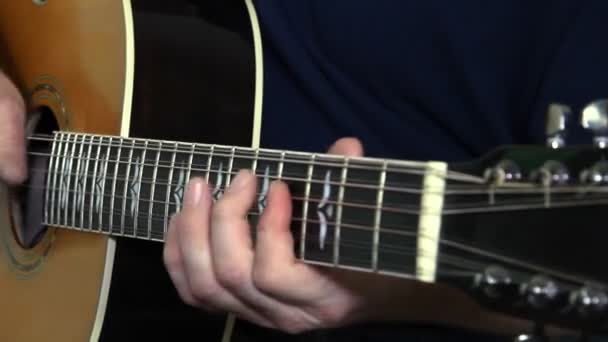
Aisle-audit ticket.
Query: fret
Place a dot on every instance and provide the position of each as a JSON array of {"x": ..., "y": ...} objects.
[
  {"x": 309, "y": 174},
  {"x": 169, "y": 186},
  {"x": 78, "y": 190},
  {"x": 126, "y": 188},
  {"x": 378, "y": 217},
  {"x": 48, "y": 191},
  {"x": 339, "y": 205},
  {"x": 230, "y": 165},
  {"x": 101, "y": 194},
  {"x": 254, "y": 164},
  {"x": 111, "y": 212},
  {"x": 281, "y": 164},
  {"x": 358, "y": 211},
  {"x": 209, "y": 161},
  {"x": 94, "y": 182},
  {"x": 86, "y": 178},
  {"x": 152, "y": 192},
  {"x": 190, "y": 160},
  {"x": 63, "y": 180},
  {"x": 323, "y": 187},
  {"x": 70, "y": 175},
  {"x": 400, "y": 217},
  {"x": 55, "y": 199},
  {"x": 221, "y": 164},
  {"x": 141, "y": 162}
]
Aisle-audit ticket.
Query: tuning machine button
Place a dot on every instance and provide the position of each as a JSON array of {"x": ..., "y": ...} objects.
[
  {"x": 589, "y": 302},
  {"x": 551, "y": 173},
  {"x": 494, "y": 283},
  {"x": 596, "y": 175},
  {"x": 594, "y": 117},
  {"x": 540, "y": 292},
  {"x": 505, "y": 171},
  {"x": 557, "y": 119}
]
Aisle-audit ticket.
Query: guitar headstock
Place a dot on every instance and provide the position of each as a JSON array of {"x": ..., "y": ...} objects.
[{"x": 533, "y": 229}]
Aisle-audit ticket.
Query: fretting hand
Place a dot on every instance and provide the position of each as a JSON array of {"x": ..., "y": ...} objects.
[
  {"x": 12, "y": 133},
  {"x": 215, "y": 265}
]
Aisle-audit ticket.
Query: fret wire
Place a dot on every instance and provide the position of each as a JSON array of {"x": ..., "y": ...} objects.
[
  {"x": 280, "y": 167},
  {"x": 254, "y": 165},
  {"x": 336, "y": 258},
  {"x": 378, "y": 217},
  {"x": 113, "y": 191},
  {"x": 209, "y": 159},
  {"x": 125, "y": 190},
  {"x": 86, "y": 178},
  {"x": 141, "y": 174},
  {"x": 305, "y": 207},
  {"x": 103, "y": 186},
  {"x": 65, "y": 184},
  {"x": 94, "y": 185},
  {"x": 152, "y": 191},
  {"x": 190, "y": 160},
  {"x": 168, "y": 194},
  {"x": 77, "y": 179},
  {"x": 230, "y": 166},
  {"x": 52, "y": 162}
]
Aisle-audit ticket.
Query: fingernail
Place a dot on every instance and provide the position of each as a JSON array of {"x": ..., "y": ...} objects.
[
  {"x": 194, "y": 193},
  {"x": 239, "y": 181}
]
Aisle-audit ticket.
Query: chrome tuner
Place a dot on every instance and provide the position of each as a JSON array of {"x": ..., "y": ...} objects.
[
  {"x": 596, "y": 175},
  {"x": 589, "y": 302},
  {"x": 504, "y": 172},
  {"x": 540, "y": 292},
  {"x": 595, "y": 118},
  {"x": 555, "y": 128},
  {"x": 494, "y": 282}
]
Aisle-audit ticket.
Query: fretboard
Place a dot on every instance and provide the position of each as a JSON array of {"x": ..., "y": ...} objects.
[{"x": 360, "y": 213}]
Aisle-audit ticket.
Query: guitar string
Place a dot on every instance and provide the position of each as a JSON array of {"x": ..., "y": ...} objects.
[
  {"x": 474, "y": 207},
  {"x": 393, "y": 165},
  {"x": 458, "y": 245},
  {"x": 399, "y": 187}
]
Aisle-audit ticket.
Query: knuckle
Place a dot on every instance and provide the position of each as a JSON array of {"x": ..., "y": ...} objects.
[
  {"x": 232, "y": 277},
  {"x": 265, "y": 279},
  {"x": 203, "y": 291}
]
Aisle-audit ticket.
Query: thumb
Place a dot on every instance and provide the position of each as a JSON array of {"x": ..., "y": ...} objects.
[
  {"x": 350, "y": 147},
  {"x": 12, "y": 133}
]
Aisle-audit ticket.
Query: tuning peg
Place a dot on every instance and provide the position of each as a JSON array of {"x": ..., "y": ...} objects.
[
  {"x": 589, "y": 302},
  {"x": 595, "y": 118},
  {"x": 541, "y": 292},
  {"x": 555, "y": 129}
]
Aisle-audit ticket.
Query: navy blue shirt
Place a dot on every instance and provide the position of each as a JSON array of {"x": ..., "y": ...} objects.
[{"x": 428, "y": 79}]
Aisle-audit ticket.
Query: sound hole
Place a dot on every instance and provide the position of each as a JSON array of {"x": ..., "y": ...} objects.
[{"x": 27, "y": 200}]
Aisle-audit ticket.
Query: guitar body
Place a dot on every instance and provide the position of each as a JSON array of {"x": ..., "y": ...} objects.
[{"x": 152, "y": 69}]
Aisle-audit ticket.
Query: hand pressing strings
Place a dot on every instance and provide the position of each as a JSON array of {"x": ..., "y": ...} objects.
[{"x": 214, "y": 264}]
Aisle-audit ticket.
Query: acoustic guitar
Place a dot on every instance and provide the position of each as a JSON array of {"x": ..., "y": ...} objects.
[{"x": 130, "y": 99}]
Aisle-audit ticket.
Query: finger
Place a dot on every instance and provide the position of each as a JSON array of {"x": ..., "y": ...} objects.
[
  {"x": 12, "y": 133},
  {"x": 174, "y": 264},
  {"x": 231, "y": 244},
  {"x": 276, "y": 270},
  {"x": 192, "y": 226},
  {"x": 351, "y": 147}
]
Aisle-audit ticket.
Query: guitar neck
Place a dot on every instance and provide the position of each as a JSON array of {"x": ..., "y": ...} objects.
[{"x": 358, "y": 213}]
